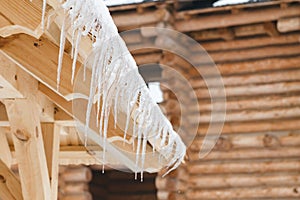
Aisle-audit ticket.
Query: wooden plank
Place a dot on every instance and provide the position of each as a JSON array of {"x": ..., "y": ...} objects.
[
  {"x": 133, "y": 19},
  {"x": 256, "y": 126},
  {"x": 246, "y": 54},
  {"x": 27, "y": 137},
  {"x": 7, "y": 91},
  {"x": 246, "y": 115},
  {"x": 240, "y": 193},
  {"x": 5, "y": 155},
  {"x": 205, "y": 35},
  {"x": 249, "y": 90},
  {"x": 10, "y": 187},
  {"x": 251, "y": 42},
  {"x": 243, "y": 180},
  {"x": 245, "y": 17},
  {"x": 250, "y": 153},
  {"x": 254, "y": 140},
  {"x": 257, "y": 78},
  {"x": 243, "y": 67},
  {"x": 39, "y": 59},
  {"x": 246, "y": 166},
  {"x": 257, "y": 102},
  {"x": 24, "y": 13},
  {"x": 27, "y": 87},
  {"x": 51, "y": 145},
  {"x": 249, "y": 30}
]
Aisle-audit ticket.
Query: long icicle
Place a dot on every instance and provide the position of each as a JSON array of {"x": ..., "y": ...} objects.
[
  {"x": 61, "y": 49},
  {"x": 111, "y": 80}
]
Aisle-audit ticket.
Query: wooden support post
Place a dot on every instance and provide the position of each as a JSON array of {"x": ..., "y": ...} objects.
[
  {"x": 10, "y": 187},
  {"x": 5, "y": 154},
  {"x": 51, "y": 145},
  {"x": 27, "y": 138}
]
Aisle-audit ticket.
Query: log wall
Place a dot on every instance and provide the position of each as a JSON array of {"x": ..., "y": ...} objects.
[{"x": 256, "y": 48}]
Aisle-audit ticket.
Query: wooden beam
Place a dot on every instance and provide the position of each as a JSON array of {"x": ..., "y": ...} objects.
[
  {"x": 288, "y": 24},
  {"x": 133, "y": 19},
  {"x": 5, "y": 155},
  {"x": 223, "y": 33},
  {"x": 253, "y": 140},
  {"x": 27, "y": 87},
  {"x": 251, "y": 103},
  {"x": 256, "y": 126},
  {"x": 244, "y": 17},
  {"x": 244, "y": 67},
  {"x": 251, "y": 42},
  {"x": 249, "y": 153},
  {"x": 7, "y": 91},
  {"x": 257, "y": 78},
  {"x": 235, "y": 91},
  {"x": 27, "y": 137},
  {"x": 51, "y": 145},
  {"x": 23, "y": 13},
  {"x": 247, "y": 166},
  {"x": 39, "y": 59},
  {"x": 246, "y": 54},
  {"x": 241, "y": 193},
  {"x": 10, "y": 187}
]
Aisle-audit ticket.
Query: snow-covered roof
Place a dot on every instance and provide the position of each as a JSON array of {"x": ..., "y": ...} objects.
[
  {"x": 124, "y": 2},
  {"x": 233, "y": 2}
]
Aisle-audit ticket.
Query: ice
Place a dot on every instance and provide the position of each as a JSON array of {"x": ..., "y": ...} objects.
[{"x": 116, "y": 84}]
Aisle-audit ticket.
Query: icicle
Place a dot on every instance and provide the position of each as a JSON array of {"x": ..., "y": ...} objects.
[
  {"x": 61, "y": 50},
  {"x": 90, "y": 101},
  {"x": 43, "y": 14},
  {"x": 75, "y": 55},
  {"x": 114, "y": 76}
]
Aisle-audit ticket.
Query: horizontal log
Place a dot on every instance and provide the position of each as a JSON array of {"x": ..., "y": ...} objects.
[
  {"x": 257, "y": 78},
  {"x": 75, "y": 188},
  {"x": 170, "y": 184},
  {"x": 256, "y": 126},
  {"x": 288, "y": 24},
  {"x": 131, "y": 196},
  {"x": 249, "y": 90},
  {"x": 143, "y": 59},
  {"x": 80, "y": 174},
  {"x": 255, "y": 140},
  {"x": 257, "y": 102},
  {"x": 225, "y": 34},
  {"x": 133, "y": 19},
  {"x": 246, "y": 115},
  {"x": 256, "y": 66},
  {"x": 240, "y": 193},
  {"x": 244, "y": 17},
  {"x": 249, "y": 153},
  {"x": 82, "y": 196},
  {"x": 242, "y": 180},
  {"x": 250, "y": 30},
  {"x": 170, "y": 195},
  {"x": 246, "y": 166},
  {"x": 251, "y": 42},
  {"x": 247, "y": 54}
]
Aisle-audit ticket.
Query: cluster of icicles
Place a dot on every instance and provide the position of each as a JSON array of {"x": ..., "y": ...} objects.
[{"x": 116, "y": 86}]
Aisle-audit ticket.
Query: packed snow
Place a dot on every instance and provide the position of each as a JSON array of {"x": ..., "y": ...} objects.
[
  {"x": 231, "y": 2},
  {"x": 122, "y": 2}
]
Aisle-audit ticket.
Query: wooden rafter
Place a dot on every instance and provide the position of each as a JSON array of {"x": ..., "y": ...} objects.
[
  {"x": 51, "y": 144},
  {"x": 34, "y": 59},
  {"x": 10, "y": 187},
  {"x": 27, "y": 137}
]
